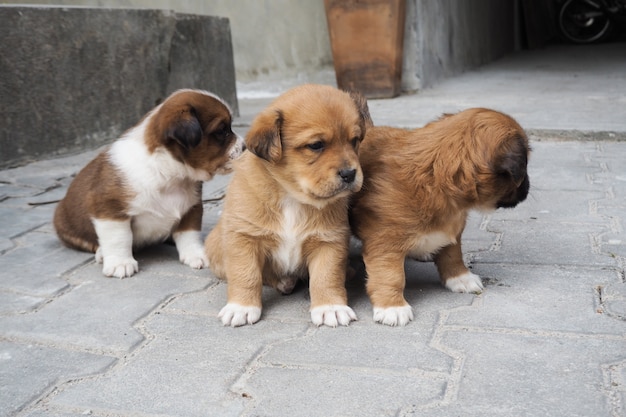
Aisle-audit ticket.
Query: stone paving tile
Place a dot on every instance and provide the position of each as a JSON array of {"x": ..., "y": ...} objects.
[
  {"x": 6, "y": 244},
  {"x": 185, "y": 369},
  {"x": 540, "y": 298},
  {"x": 48, "y": 411},
  {"x": 12, "y": 303},
  {"x": 29, "y": 370},
  {"x": 524, "y": 242},
  {"x": 570, "y": 173},
  {"x": 99, "y": 314},
  {"x": 11, "y": 190},
  {"x": 14, "y": 222},
  {"x": 552, "y": 206},
  {"x": 47, "y": 170},
  {"x": 612, "y": 301},
  {"x": 35, "y": 265},
  {"x": 337, "y": 391},
  {"x": 546, "y": 375},
  {"x": 380, "y": 349},
  {"x": 546, "y": 337}
]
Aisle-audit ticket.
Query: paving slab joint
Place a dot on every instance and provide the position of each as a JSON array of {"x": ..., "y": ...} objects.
[
  {"x": 43, "y": 399},
  {"x": 606, "y": 297},
  {"x": 542, "y": 135},
  {"x": 458, "y": 357},
  {"x": 238, "y": 387},
  {"x": 615, "y": 386}
]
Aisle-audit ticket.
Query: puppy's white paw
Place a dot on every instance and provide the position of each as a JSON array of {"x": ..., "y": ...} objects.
[
  {"x": 190, "y": 249},
  {"x": 114, "y": 266},
  {"x": 332, "y": 315},
  {"x": 393, "y": 316},
  {"x": 467, "y": 282},
  {"x": 235, "y": 315},
  {"x": 196, "y": 260}
]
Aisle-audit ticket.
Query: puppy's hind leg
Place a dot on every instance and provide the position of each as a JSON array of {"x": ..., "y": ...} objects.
[
  {"x": 214, "y": 252},
  {"x": 453, "y": 272}
]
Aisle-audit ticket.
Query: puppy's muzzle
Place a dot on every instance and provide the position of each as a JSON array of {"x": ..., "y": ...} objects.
[
  {"x": 237, "y": 148},
  {"x": 234, "y": 152}
]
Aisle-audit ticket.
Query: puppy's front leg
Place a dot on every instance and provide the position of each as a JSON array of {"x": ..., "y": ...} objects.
[
  {"x": 327, "y": 277},
  {"x": 188, "y": 240},
  {"x": 385, "y": 287},
  {"x": 453, "y": 272},
  {"x": 115, "y": 238},
  {"x": 243, "y": 265}
]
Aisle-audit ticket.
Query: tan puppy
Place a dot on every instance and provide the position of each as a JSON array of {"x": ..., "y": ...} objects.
[
  {"x": 286, "y": 209},
  {"x": 147, "y": 186},
  {"x": 419, "y": 187}
]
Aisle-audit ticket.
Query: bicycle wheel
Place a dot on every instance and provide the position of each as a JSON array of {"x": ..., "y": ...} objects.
[{"x": 583, "y": 21}]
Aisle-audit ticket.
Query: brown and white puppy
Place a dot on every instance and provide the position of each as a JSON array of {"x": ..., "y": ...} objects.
[
  {"x": 147, "y": 186},
  {"x": 285, "y": 215},
  {"x": 419, "y": 187}
]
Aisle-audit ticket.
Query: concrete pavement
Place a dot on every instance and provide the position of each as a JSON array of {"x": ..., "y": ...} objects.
[{"x": 546, "y": 338}]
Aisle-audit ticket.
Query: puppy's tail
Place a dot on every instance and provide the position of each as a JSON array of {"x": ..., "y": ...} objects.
[
  {"x": 78, "y": 243},
  {"x": 66, "y": 228}
]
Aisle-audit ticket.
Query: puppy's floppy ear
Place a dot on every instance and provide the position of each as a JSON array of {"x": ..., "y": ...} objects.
[
  {"x": 263, "y": 138},
  {"x": 186, "y": 130},
  {"x": 361, "y": 104},
  {"x": 514, "y": 161},
  {"x": 511, "y": 165}
]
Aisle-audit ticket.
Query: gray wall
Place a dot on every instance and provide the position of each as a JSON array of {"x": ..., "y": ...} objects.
[
  {"x": 447, "y": 37},
  {"x": 278, "y": 39},
  {"x": 76, "y": 78},
  {"x": 272, "y": 39}
]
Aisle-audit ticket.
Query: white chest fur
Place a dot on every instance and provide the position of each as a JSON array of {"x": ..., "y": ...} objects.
[
  {"x": 426, "y": 245},
  {"x": 162, "y": 191},
  {"x": 155, "y": 214},
  {"x": 292, "y": 234}
]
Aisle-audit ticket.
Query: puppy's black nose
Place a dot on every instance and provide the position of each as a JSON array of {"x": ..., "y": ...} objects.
[{"x": 347, "y": 175}]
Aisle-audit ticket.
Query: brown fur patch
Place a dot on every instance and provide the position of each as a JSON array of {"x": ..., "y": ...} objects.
[
  {"x": 420, "y": 185},
  {"x": 97, "y": 192},
  {"x": 193, "y": 127},
  {"x": 296, "y": 150}
]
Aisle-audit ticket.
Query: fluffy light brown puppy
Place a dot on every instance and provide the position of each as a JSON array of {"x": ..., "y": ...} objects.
[
  {"x": 419, "y": 187},
  {"x": 147, "y": 186},
  {"x": 285, "y": 214}
]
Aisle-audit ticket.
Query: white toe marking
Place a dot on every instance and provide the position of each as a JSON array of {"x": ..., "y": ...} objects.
[
  {"x": 190, "y": 249},
  {"x": 114, "y": 266},
  {"x": 332, "y": 315},
  {"x": 393, "y": 316},
  {"x": 235, "y": 315},
  {"x": 467, "y": 282}
]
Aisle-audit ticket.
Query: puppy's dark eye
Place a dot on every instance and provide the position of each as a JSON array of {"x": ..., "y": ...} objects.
[
  {"x": 354, "y": 142},
  {"x": 222, "y": 133},
  {"x": 316, "y": 146}
]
